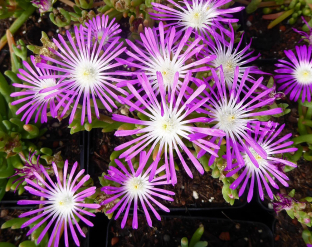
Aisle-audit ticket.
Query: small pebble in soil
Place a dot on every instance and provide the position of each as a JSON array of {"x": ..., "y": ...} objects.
[
  {"x": 237, "y": 226},
  {"x": 166, "y": 238},
  {"x": 56, "y": 124},
  {"x": 17, "y": 237},
  {"x": 130, "y": 235},
  {"x": 246, "y": 239},
  {"x": 61, "y": 143},
  {"x": 260, "y": 230},
  {"x": 248, "y": 23},
  {"x": 211, "y": 199},
  {"x": 84, "y": 230},
  {"x": 195, "y": 195},
  {"x": 270, "y": 205}
]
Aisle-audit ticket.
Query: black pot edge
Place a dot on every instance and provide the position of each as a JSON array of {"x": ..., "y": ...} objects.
[
  {"x": 84, "y": 164},
  {"x": 270, "y": 211},
  {"x": 200, "y": 218}
]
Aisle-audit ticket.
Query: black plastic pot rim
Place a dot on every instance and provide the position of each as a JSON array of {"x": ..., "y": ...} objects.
[{"x": 270, "y": 211}]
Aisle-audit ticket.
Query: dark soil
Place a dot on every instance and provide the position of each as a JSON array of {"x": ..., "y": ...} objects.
[
  {"x": 271, "y": 43},
  {"x": 170, "y": 230},
  {"x": 287, "y": 232},
  {"x": 8, "y": 235}
]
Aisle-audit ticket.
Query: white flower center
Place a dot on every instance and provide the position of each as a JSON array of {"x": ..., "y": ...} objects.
[
  {"x": 228, "y": 119},
  {"x": 303, "y": 73},
  {"x": 167, "y": 68},
  {"x": 137, "y": 186},
  {"x": 229, "y": 62},
  {"x": 86, "y": 74},
  {"x": 262, "y": 162},
  {"x": 167, "y": 127},
  {"x": 168, "y": 75},
  {"x": 45, "y": 83},
  {"x": 64, "y": 202},
  {"x": 199, "y": 15},
  {"x": 100, "y": 36}
]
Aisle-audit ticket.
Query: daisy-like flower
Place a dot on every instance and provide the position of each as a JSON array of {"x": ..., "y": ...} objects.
[
  {"x": 160, "y": 53},
  {"x": 63, "y": 203},
  {"x": 28, "y": 170},
  {"x": 296, "y": 74},
  {"x": 169, "y": 121},
  {"x": 203, "y": 16},
  {"x": 305, "y": 36},
  {"x": 230, "y": 57},
  {"x": 98, "y": 25},
  {"x": 32, "y": 98},
  {"x": 135, "y": 187},
  {"x": 231, "y": 112},
  {"x": 266, "y": 136},
  {"x": 86, "y": 71}
]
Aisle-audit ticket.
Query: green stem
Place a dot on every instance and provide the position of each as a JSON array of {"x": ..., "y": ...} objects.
[
  {"x": 309, "y": 113},
  {"x": 281, "y": 18},
  {"x": 17, "y": 24}
]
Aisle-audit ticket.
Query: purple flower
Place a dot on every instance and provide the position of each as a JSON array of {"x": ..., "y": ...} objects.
[
  {"x": 63, "y": 203},
  {"x": 296, "y": 74},
  {"x": 266, "y": 136},
  {"x": 204, "y": 16},
  {"x": 98, "y": 25},
  {"x": 305, "y": 36},
  {"x": 229, "y": 57},
  {"x": 86, "y": 72},
  {"x": 136, "y": 187},
  {"x": 160, "y": 53},
  {"x": 232, "y": 112},
  {"x": 32, "y": 98},
  {"x": 29, "y": 169},
  {"x": 169, "y": 121},
  {"x": 284, "y": 202},
  {"x": 43, "y": 5}
]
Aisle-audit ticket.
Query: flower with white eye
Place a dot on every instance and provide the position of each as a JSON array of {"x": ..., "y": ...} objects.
[
  {"x": 167, "y": 53},
  {"x": 136, "y": 187},
  {"x": 266, "y": 136},
  {"x": 231, "y": 110},
  {"x": 295, "y": 76},
  {"x": 203, "y": 16},
  {"x": 32, "y": 98},
  {"x": 168, "y": 122},
  {"x": 62, "y": 205},
  {"x": 86, "y": 72}
]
